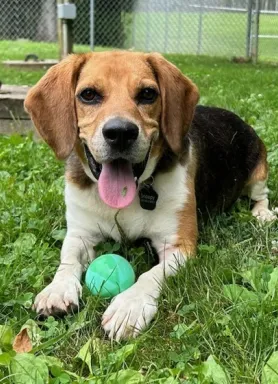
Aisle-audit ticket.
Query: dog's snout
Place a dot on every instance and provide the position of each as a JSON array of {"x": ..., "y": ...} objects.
[{"x": 120, "y": 134}]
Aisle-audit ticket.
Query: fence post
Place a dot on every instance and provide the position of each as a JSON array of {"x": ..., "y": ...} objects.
[
  {"x": 200, "y": 27},
  {"x": 60, "y": 33},
  {"x": 249, "y": 29},
  {"x": 68, "y": 34},
  {"x": 148, "y": 26},
  {"x": 133, "y": 33},
  {"x": 256, "y": 22},
  {"x": 166, "y": 27},
  {"x": 92, "y": 26},
  {"x": 66, "y": 13}
]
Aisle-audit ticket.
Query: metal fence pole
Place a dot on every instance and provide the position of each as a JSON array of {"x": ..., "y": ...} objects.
[
  {"x": 179, "y": 34},
  {"x": 133, "y": 33},
  {"x": 249, "y": 29},
  {"x": 215, "y": 27},
  {"x": 66, "y": 14},
  {"x": 166, "y": 27},
  {"x": 200, "y": 27},
  {"x": 148, "y": 26},
  {"x": 60, "y": 34},
  {"x": 256, "y": 22},
  {"x": 92, "y": 27}
]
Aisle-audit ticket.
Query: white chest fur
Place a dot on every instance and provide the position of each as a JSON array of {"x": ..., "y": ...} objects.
[{"x": 87, "y": 212}]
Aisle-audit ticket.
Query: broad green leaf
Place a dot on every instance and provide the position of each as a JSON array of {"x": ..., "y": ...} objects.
[
  {"x": 28, "y": 369},
  {"x": 120, "y": 356},
  {"x": 85, "y": 355},
  {"x": 25, "y": 242},
  {"x": 59, "y": 234},
  {"x": 51, "y": 361},
  {"x": 270, "y": 370},
  {"x": 6, "y": 337},
  {"x": 190, "y": 353},
  {"x": 187, "y": 309},
  {"x": 205, "y": 248},
  {"x": 5, "y": 359},
  {"x": 64, "y": 378},
  {"x": 116, "y": 247},
  {"x": 258, "y": 276},
  {"x": 213, "y": 371},
  {"x": 127, "y": 376},
  {"x": 239, "y": 294},
  {"x": 24, "y": 300},
  {"x": 273, "y": 283},
  {"x": 56, "y": 371},
  {"x": 181, "y": 329}
]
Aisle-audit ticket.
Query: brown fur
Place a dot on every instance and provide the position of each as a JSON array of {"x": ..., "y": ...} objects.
[
  {"x": 74, "y": 170},
  {"x": 188, "y": 229},
  {"x": 179, "y": 96},
  {"x": 65, "y": 122},
  {"x": 58, "y": 114},
  {"x": 260, "y": 173},
  {"x": 51, "y": 104}
]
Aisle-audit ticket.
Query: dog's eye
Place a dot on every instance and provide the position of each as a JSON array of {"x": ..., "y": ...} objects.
[
  {"x": 147, "y": 96},
  {"x": 90, "y": 96}
]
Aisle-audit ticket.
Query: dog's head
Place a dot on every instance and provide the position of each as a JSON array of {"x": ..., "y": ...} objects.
[{"x": 123, "y": 106}]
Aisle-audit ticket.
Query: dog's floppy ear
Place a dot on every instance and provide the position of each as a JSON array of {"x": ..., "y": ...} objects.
[
  {"x": 51, "y": 104},
  {"x": 179, "y": 97}
]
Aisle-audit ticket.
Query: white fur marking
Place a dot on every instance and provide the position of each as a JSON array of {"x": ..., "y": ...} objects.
[
  {"x": 259, "y": 193},
  {"x": 132, "y": 310},
  {"x": 89, "y": 221}
]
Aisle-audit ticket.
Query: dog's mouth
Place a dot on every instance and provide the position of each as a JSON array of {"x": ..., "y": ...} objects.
[{"x": 117, "y": 180}]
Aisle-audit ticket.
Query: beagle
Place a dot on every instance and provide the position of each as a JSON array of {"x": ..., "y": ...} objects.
[{"x": 137, "y": 145}]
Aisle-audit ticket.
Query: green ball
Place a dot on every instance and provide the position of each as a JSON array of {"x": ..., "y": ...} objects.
[{"x": 108, "y": 275}]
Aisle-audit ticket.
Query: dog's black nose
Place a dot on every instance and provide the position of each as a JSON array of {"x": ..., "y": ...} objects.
[{"x": 119, "y": 133}]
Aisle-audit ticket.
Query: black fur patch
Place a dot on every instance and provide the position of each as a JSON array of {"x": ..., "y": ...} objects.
[{"x": 228, "y": 150}]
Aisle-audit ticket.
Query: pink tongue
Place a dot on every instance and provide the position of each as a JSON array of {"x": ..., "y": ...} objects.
[{"x": 116, "y": 184}]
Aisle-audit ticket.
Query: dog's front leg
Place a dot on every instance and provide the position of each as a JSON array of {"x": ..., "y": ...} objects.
[
  {"x": 62, "y": 294},
  {"x": 132, "y": 310}
]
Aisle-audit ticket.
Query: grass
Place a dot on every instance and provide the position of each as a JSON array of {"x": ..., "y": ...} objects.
[
  {"x": 217, "y": 320},
  {"x": 17, "y": 50}
]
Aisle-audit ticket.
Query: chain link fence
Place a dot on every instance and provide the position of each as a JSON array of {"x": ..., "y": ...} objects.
[
  {"x": 33, "y": 20},
  {"x": 210, "y": 27},
  {"x": 268, "y": 34}
]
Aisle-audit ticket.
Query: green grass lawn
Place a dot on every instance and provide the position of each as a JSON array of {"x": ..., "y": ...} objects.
[
  {"x": 217, "y": 320},
  {"x": 17, "y": 50}
]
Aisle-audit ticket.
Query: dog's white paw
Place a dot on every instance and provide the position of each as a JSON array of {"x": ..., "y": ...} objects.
[
  {"x": 58, "y": 298},
  {"x": 263, "y": 214},
  {"x": 129, "y": 313}
]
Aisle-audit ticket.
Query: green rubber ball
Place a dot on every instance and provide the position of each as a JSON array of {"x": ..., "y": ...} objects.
[{"x": 108, "y": 275}]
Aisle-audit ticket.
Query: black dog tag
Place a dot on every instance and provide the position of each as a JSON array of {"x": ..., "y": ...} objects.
[{"x": 148, "y": 197}]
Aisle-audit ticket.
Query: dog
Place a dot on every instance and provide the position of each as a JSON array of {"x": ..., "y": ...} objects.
[{"x": 137, "y": 144}]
